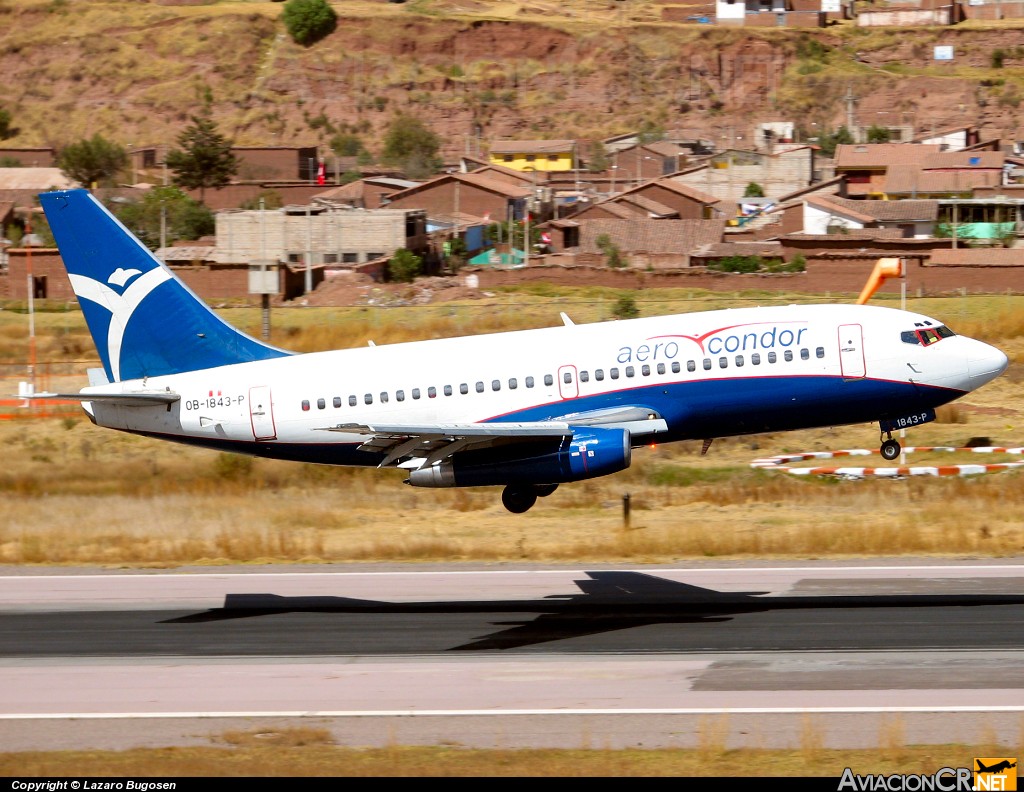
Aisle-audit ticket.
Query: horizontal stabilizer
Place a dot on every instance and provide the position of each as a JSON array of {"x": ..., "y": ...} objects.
[{"x": 131, "y": 399}]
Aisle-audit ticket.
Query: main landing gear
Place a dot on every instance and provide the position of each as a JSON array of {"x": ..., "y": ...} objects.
[
  {"x": 890, "y": 448},
  {"x": 519, "y": 498}
]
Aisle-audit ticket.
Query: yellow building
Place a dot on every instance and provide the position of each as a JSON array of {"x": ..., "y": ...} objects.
[{"x": 534, "y": 155}]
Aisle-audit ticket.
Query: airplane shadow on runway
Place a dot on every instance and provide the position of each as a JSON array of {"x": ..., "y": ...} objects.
[{"x": 607, "y": 601}]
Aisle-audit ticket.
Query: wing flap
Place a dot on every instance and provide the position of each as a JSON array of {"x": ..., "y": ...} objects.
[{"x": 416, "y": 445}]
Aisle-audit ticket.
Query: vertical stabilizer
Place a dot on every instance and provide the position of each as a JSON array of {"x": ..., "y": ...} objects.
[{"x": 144, "y": 321}]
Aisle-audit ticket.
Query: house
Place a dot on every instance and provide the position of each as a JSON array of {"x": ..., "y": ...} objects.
[
  {"x": 727, "y": 174},
  {"x": 466, "y": 193},
  {"x": 664, "y": 198},
  {"x": 771, "y": 13},
  {"x": 534, "y": 155},
  {"x": 863, "y": 166},
  {"x": 830, "y": 214},
  {"x": 329, "y": 235},
  {"x": 371, "y": 192},
  {"x": 643, "y": 161},
  {"x": 22, "y": 185},
  {"x": 644, "y": 244},
  {"x": 952, "y": 139},
  {"x": 43, "y": 157}
]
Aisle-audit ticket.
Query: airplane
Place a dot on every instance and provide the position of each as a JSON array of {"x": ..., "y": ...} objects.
[
  {"x": 998, "y": 767},
  {"x": 525, "y": 410}
]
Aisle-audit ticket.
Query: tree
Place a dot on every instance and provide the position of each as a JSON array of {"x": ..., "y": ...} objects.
[
  {"x": 92, "y": 162},
  {"x": 404, "y": 266},
  {"x": 879, "y": 134},
  {"x": 412, "y": 147},
  {"x": 828, "y": 142},
  {"x": 597, "y": 159},
  {"x": 754, "y": 190},
  {"x": 181, "y": 216},
  {"x": 611, "y": 251},
  {"x": 204, "y": 159},
  {"x": 6, "y": 130},
  {"x": 308, "y": 21}
]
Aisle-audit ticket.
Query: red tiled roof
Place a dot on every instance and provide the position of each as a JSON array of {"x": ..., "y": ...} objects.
[
  {"x": 893, "y": 211},
  {"x": 881, "y": 155},
  {"x": 909, "y": 179}
]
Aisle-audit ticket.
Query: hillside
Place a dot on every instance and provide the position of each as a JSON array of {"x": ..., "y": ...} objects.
[{"x": 134, "y": 72}]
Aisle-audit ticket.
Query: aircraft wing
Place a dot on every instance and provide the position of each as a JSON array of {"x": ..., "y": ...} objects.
[
  {"x": 420, "y": 445},
  {"x": 124, "y": 399}
]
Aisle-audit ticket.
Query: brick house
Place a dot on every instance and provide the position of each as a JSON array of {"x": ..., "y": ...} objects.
[{"x": 465, "y": 193}]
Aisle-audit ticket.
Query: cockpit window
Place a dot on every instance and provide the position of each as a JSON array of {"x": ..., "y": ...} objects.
[{"x": 926, "y": 336}]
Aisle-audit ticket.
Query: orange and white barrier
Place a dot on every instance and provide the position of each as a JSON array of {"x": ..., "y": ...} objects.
[{"x": 782, "y": 462}]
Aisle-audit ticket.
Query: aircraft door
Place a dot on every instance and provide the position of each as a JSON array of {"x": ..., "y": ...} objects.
[
  {"x": 261, "y": 412},
  {"x": 568, "y": 382},
  {"x": 851, "y": 351}
]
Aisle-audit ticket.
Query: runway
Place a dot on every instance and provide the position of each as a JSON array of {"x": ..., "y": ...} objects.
[{"x": 836, "y": 655}]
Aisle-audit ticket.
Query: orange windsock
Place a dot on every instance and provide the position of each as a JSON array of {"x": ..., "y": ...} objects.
[{"x": 884, "y": 268}]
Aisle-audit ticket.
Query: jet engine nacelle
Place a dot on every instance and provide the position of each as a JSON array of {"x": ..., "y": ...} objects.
[{"x": 591, "y": 452}]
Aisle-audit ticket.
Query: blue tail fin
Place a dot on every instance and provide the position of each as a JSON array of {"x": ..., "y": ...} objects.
[{"x": 144, "y": 321}]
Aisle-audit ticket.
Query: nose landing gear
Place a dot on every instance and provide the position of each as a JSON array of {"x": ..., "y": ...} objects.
[{"x": 890, "y": 448}]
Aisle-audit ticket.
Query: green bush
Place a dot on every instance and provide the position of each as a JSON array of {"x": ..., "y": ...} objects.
[
  {"x": 308, "y": 21},
  {"x": 404, "y": 266},
  {"x": 625, "y": 308}
]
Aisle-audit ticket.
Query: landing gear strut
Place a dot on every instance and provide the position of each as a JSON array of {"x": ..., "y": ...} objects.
[{"x": 890, "y": 448}]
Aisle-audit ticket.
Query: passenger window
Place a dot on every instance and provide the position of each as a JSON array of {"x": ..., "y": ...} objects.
[
  {"x": 479, "y": 387},
  {"x": 676, "y": 367},
  {"x": 529, "y": 382},
  {"x": 645, "y": 370},
  {"x": 320, "y": 404},
  {"x": 707, "y": 364},
  {"x": 584, "y": 376},
  {"x": 400, "y": 395},
  {"x": 549, "y": 380},
  {"x": 772, "y": 357},
  {"x": 755, "y": 358},
  {"x": 788, "y": 355},
  {"x": 805, "y": 354},
  {"x": 820, "y": 352},
  {"x": 495, "y": 385},
  {"x": 691, "y": 365},
  {"x": 431, "y": 392},
  {"x": 567, "y": 377},
  {"x": 513, "y": 383},
  {"x": 464, "y": 388},
  {"x": 661, "y": 368},
  {"x": 336, "y": 401},
  {"x": 614, "y": 373},
  {"x": 368, "y": 398},
  {"x": 447, "y": 390},
  {"x": 739, "y": 360},
  {"x": 630, "y": 371},
  {"x": 352, "y": 400},
  {"x": 305, "y": 405},
  {"x": 723, "y": 362},
  {"x": 415, "y": 393},
  {"x": 599, "y": 375},
  {"x": 384, "y": 397}
]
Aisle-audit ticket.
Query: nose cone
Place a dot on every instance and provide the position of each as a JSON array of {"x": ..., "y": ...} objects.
[{"x": 985, "y": 363}]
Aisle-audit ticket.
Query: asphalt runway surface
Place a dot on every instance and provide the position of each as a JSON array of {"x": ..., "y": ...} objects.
[{"x": 856, "y": 654}]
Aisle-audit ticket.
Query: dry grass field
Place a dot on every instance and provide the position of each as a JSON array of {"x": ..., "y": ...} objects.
[{"x": 74, "y": 494}]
